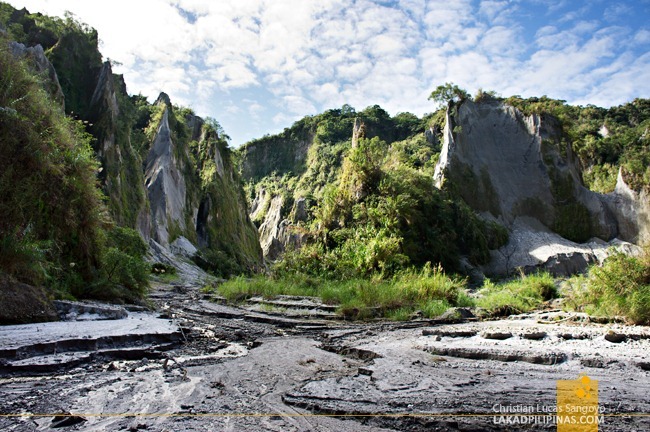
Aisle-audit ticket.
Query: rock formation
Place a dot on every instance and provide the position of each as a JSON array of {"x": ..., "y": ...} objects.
[
  {"x": 166, "y": 186},
  {"x": 121, "y": 172},
  {"x": 281, "y": 156},
  {"x": 194, "y": 193},
  {"x": 519, "y": 171},
  {"x": 42, "y": 67},
  {"x": 631, "y": 210},
  {"x": 158, "y": 183}
]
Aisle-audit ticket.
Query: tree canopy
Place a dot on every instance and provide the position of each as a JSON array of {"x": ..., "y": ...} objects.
[{"x": 449, "y": 92}]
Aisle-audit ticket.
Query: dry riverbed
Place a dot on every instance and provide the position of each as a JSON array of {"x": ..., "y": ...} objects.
[{"x": 195, "y": 365}]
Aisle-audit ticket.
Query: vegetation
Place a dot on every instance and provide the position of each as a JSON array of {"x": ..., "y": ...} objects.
[
  {"x": 374, "y": 222},
  {"x": 120, "y": 139},
  {"x": 429, "y": 291},
  {"x": 54, "y": 229},
  {"x": 123, "y": 272},
  {"x": 603, "y": 139},
  {"x": 527, "y": 293},
  {"x": 620, "y": 287},
  {"x": 449, "y": 92}
]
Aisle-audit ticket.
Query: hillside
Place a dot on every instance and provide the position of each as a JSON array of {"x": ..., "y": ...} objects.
[
  {"x": 344, "y": 180},
  {"x": 122, "y": 163},
  {"x": 480, "y": 187}
]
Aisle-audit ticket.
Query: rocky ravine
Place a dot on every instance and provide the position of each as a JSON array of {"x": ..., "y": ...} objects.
[{"x": 288, "y": 366}]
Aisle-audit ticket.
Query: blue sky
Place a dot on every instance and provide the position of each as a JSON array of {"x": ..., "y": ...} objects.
[{"x": 258, "y": 65}]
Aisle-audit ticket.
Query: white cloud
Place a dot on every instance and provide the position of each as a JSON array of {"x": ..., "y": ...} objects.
[
  {"x": 642, "y": 37},
  {"x": 285, "y": 59},
  {"x": 296, "y": 104}
]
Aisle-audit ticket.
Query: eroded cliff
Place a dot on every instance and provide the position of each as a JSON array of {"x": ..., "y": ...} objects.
[{"x": 520, "y": 171}]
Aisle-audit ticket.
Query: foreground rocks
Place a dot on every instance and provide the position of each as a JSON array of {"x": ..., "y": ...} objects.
[{"x": 272, "y": 368}]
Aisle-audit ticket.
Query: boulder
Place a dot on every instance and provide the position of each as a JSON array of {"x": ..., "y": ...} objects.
[
  {"x": 183, "y": 247},
  {"x": 532, "y": 247}
]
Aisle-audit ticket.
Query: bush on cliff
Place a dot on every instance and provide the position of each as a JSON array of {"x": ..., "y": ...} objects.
[{"x": 53, "y": 224}]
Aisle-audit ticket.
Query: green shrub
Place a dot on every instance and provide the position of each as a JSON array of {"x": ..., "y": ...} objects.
[
  {"x": 219, "y": 263},
  {"x": 123, "y": 272},
  {"x": 527, "y": 293},
  {"x": 52, "y": 215},
  {"x": 24, "y": 257},
  {"x": 429, "y": 290},
  {"x": 620, "y": 287}
]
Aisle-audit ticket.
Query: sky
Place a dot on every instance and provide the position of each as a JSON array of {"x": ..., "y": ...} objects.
[{"x": 256, "y": 66}]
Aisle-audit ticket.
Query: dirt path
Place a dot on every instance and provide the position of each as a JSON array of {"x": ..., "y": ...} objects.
[{"x": 236, "y": 369}]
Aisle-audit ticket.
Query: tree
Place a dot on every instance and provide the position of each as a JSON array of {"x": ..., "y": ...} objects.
[
  {"x": 443, "y": 94},
  {"x": 216, "y": 127}
]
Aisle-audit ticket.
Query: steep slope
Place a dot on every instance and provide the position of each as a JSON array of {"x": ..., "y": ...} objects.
[
  {"x": 364, "y": 202},
  {"x": 508, "y": 164},
  {"x": 194, "y": 191},
  {"x": 631, "y": 209},
  {"x": 520, "y": 169},
  {"x": 166, "y": 186},
  {"x": 288, "y": 174},
  {"x": 165, "y": 171},
  {"x": 111, "y": 122},
  {"x": 52, "y": 217}
]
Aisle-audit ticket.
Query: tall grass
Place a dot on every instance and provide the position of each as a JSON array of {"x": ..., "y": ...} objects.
[
  {"x": 429, "y": 291},
  {"x": 527, "y": 293},
  {"x": 620, "y": 287}
]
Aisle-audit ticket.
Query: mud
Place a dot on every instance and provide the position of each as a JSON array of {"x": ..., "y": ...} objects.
[{"x": 195, "y": 365}]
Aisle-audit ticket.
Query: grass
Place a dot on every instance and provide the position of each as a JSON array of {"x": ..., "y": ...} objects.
[
  {"x": 620, "y": 287},
  {"x": 527, "y": 293},
  {"x": 429, "y": 291}
]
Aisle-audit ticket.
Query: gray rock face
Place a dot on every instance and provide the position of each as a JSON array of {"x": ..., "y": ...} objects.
[
  {"x": 260, "y": 159},
  {"x": 195, "y": 197},
  {"x": 185, "y": 268},
  {"x": 183, "y": 247},
  {"x": 358, "y": 131},
  {"x": 121, "y": 166},
  {"x": 300, "y": 210},
  {"x": 165, "y": 184},
  {"x": 270, "y": 229},
  {"x": 631, "y": 210},
  {"x": 42, "y": 66},
  {"x": 258, "y": 204},
  {"x": 515, "y": 169},
  {"x": 511, "y": 165},
  {"x": 104, "y": 98},
  {"x": 277, "y": 234},
  {"x": 532, "y": 247},
  {"x": 431, "y": 137}
]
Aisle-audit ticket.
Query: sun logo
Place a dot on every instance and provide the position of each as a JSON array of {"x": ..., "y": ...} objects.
[{"x": 584, "y": 388}]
